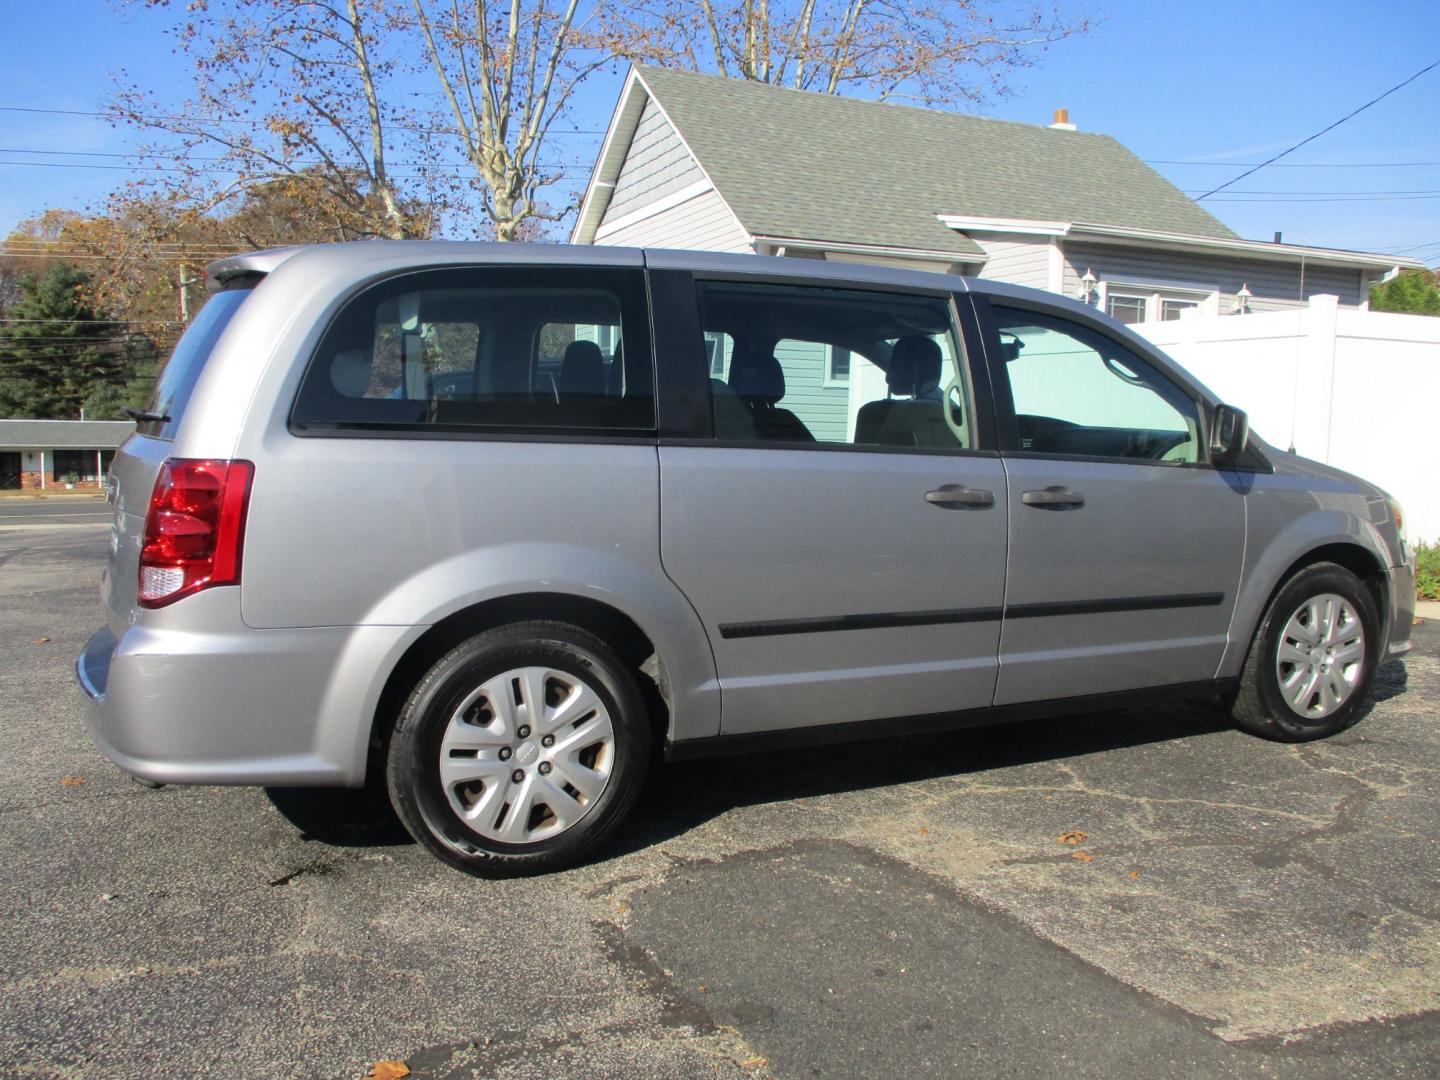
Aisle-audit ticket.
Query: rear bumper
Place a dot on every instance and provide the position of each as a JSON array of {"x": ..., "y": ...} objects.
[
  {"x": 92, "y": 666},
  {"x": 257, "y": 707}
]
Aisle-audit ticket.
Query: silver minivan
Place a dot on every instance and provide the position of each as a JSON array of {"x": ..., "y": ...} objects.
[{"x": 492, "y": 524}]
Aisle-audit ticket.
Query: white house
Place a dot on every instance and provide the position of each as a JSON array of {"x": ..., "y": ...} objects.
[{"x": 698, "y": 161}]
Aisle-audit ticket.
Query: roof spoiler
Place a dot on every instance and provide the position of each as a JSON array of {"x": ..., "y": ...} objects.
[{"x": 256, "y": 264}]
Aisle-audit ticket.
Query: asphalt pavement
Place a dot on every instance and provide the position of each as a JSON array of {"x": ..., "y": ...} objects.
[
  {"x": 19, "y": 512},
  {"x": 1219, "y": 906}
]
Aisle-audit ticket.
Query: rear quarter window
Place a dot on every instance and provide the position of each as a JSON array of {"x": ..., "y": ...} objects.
[
  {"x": 182, "y": 371},
  {"x": 494, "y": 350}
]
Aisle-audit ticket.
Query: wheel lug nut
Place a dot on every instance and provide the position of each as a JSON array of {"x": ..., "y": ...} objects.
[
  {"x": 548, "y": 740},
  {"x": 505, "y": 753},
  {"x": 524, "y": 731},
  {"x": 518, "y": 775},
  {"x": 544, "y": 768}
]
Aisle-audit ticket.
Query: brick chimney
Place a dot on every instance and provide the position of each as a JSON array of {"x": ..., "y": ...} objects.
[{"x": 1062, "y": 121}]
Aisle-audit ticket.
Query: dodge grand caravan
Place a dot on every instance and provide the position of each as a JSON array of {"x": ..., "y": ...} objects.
[{"x": 488, "y": 524}]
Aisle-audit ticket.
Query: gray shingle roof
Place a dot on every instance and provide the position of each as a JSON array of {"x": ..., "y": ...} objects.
[
  {"x": 64, "y": 434},
  {"x": 811, "y": 166}
]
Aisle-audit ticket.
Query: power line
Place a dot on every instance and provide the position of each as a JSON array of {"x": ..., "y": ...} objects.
[
  {"x": 205, "y": 157},
  {"x": 1353, "y": 199},
  {"x": 421, "y": 170},
  {"x": 1300, "y": 164},
  {"x": 1322, "y": 131},
  {"x": 1420, "y": 191},
  {"x": 158, "y": 117}
]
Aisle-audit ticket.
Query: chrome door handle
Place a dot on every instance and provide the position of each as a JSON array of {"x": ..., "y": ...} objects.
[
  {"x": 958, "y": 495},
  {"x": 1054, "y": 497}
]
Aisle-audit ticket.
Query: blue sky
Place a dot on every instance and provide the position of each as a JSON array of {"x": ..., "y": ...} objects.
[{"x": 1214, "y": 87}]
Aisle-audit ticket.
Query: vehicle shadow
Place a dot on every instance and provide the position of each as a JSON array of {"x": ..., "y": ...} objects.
[
  {"x": 680, "y": 797},
  {"x": 340, "y": 817},
  {"x": 683, "y": 796}
]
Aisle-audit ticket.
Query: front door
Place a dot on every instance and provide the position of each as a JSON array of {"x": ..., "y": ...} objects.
[
  {"x": 841, "y": 534},
  {"x": 1126, "y": 544}
]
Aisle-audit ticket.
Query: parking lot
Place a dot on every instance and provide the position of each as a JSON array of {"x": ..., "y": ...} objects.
[{"x": 1138, "y": 893}]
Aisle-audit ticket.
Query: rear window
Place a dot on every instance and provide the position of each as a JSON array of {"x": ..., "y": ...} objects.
[
  {"x": 181, "y": 372},
  {"x": 513, "y": 350}
]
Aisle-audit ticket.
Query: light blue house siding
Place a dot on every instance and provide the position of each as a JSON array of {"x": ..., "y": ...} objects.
[{"x": 823, "y": 409}]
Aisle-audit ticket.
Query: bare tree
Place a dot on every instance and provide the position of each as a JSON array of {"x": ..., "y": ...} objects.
[
  {"x": 285, "y": 90},
  {"x": 508, "y": 72},
  {"x": 313, "y": 92},
  {"x": 940, "y": 53}
]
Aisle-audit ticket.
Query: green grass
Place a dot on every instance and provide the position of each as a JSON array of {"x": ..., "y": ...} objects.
[{"x": 1427, "y": 571}]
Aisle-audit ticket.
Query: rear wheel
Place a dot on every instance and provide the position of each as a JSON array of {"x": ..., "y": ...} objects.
[
  {"x": 520, "y": 751},
  {"x": 1312, "y": 659}
]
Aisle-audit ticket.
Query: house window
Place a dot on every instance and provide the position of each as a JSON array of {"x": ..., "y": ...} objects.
[
  {"x": 1170, "y": 308},
  {"x": 1142, "y": 302},
  {"x": 77, "y": 463},
  {"x": 1126, "y": 309},
  {"x": 837, "y": 366}
]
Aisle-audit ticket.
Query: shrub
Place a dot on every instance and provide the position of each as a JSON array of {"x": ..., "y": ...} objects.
[{"x": 1427, "y": 571}]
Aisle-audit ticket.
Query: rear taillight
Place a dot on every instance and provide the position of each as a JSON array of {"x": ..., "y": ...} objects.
[{"x": 194, "y": 529}]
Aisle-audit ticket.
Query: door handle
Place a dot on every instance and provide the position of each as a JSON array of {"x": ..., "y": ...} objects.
[
  {"x": 1054, "y": 497},
  {"x": 958, "y": 495}
]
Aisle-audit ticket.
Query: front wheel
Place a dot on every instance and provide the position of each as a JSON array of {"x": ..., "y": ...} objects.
[
  {"x": 520, "y": 750},
  {"x": 1312, "y": 658}
]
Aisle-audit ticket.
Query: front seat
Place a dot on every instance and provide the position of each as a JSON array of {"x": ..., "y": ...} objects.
[
  {"x": 759, "y": 381},
  {"x": 913, "y": 414}
]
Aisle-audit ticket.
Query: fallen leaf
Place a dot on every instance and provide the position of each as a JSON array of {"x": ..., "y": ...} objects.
[
  {"x": 924, "y": 830},
  {"x": 1082, "y": 856},
  {"x": 623, "y": 907},
  {"x": 388, "y": 1070},
  {"x": 703, "y": 988},
  {"x": 754, "y": 1063},
  {"x": 1134, "y": 873},
  {"x": 40, "y": 641},
  {"x": 72, "y": 781},
  {"x": 1074, "y": 836}
]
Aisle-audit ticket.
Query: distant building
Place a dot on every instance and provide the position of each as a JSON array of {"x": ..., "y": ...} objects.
[{"x": 42, "y": 455}]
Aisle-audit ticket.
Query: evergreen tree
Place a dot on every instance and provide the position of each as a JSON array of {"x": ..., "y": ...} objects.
[
  {"x": 1414, "y": 293},
  {"x": 54, "y": 351}
]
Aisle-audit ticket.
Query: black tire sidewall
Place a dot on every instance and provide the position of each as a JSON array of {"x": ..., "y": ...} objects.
[
  {"x": 1308, "y": 583},
  {"x": 413, "y": 769}
]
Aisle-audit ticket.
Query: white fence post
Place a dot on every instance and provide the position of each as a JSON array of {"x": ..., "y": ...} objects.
[{"x": 1315, "y": 381}]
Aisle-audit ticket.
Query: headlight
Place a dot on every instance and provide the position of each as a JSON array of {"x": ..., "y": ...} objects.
[{"x": 1397, "y": 514}]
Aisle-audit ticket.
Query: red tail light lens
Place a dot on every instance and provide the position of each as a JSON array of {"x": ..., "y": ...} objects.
[{"x": 194, "y": 529}]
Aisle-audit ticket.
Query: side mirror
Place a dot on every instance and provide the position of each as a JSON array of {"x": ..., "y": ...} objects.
[{"x": 1229, "y": 431}]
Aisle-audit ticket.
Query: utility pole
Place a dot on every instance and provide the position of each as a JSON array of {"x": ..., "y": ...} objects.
[{"x": 185, "y": 283}]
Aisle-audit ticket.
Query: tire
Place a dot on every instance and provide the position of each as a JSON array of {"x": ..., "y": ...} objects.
[
  {"x": 493, "y": 802},
  {"x": 1312, "y": 659}
]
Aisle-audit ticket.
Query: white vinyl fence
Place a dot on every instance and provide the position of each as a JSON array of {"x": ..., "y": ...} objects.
[{"x": 1359, "y": 390}]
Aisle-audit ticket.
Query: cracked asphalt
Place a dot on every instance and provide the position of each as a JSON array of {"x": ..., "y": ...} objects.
[{"x": 1233, "y": 908}]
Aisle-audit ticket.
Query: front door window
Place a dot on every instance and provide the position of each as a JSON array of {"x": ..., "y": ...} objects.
[{"x": 1079, "y": 394}]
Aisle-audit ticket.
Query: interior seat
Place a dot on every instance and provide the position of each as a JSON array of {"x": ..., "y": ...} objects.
[
  {"x": 582, "y": 372},
  {"x": 759, "y": 381},
  {"x": 913, "y": 414},
  {"x": 732, "y": 418}
]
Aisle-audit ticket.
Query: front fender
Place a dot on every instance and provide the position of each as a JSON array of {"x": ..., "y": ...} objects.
[{"x": 1273, "y": 546}]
